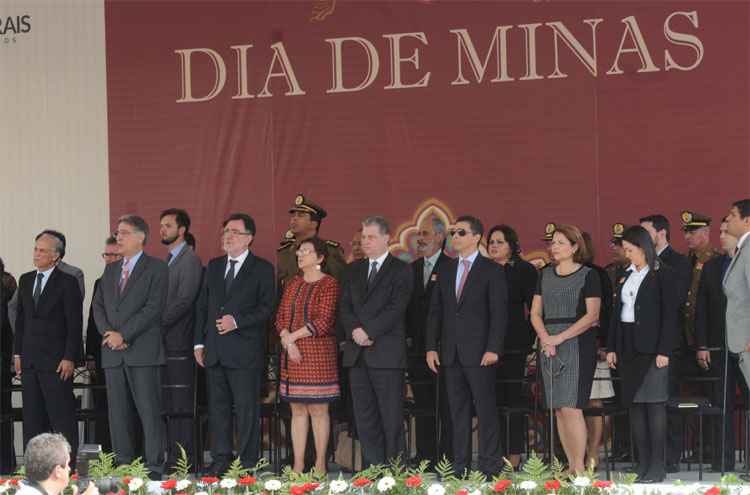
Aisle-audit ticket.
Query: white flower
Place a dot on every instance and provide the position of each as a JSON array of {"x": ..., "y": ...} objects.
[
  {"x": 476, "y": 492},
  {"x": 182, "y": 485},
  {"x": 338, "y": 486},
  {"x": 3, "y": 487},
  {"x": 228, "y": 483},
  {"x": 386, "y": 483},
  {"x": 436, "y": 489},
  {"x": 581, "y": 481},
  {"x": 201, "y": 493},
  {"x": 745, "y": 491},
  {"x": 135, "y": 484},
  {"x": 528, "y": 485},
  {"x": 272, "y": 485}
]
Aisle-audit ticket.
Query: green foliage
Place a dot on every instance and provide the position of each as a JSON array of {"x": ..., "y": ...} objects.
[
  {"x": 558, "y": 470},
  {"x": 444, "y": 470},
  {"x": 260, "y": 465},
  {"x": 236, "y": 470},
  {"x": 182, "y": 468},
  {"x": 103, "y": 466},
  {"x": 288, "y": 475},
  {"x": 730, "y": 479},
  {"x": 508, "y": 471},
  {"x": 372, "y": 473},
  {"x": 535, "y": 469},
  {"x": 475, "y": 478},
  {"x": 20, "y": 472},
  {"x": 626, "y": 478},
  {"x": 135, "y": 469}
]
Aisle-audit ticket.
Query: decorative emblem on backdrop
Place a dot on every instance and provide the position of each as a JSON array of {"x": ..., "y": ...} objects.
[{"x": 322, "y": 9}]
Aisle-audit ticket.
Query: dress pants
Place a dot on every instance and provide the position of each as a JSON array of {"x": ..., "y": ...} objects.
[
  {"x": 135, "y": 392},
  {"x": 466, "y": 386},
  {"x": 234, "y": 390},
  {"x": 7, "y": 451},
  {"x": 510, "y": 394},
  {"x": 49, "y": 405},
  {"x": 178, "y": 394},
  {"x": 378, "y": 400},
  {"x": 422, "y": 381},
  {"x": 101, "y": 423}
]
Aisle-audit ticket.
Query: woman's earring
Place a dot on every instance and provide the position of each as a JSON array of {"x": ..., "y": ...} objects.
[{"x": 317, "y": 267}]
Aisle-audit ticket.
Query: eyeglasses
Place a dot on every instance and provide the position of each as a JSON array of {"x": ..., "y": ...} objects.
[
  {"x": 459, "y": 232},
  {"x": 234, "y": 232},
  {"x": 493, "y": 242},
  {"x": 111, "y": 255},
  {"x": 122, "y": 233},
  {"x": 304, "y": 252}
]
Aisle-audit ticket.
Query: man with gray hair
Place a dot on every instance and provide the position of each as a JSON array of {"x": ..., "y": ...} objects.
[
  {"x": 48, "y": 343},
  {"x": 128, "y": 308},
  {"x": 47, "y": 466}
]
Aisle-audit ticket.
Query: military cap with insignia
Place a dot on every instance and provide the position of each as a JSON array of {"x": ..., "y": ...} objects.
[
  {"x": 306, "y": 206},
  {"x": 692, "y": 220},
  {"x": 617, "y": 230},
  {"x": 287, "y": 241},
  {"x": 549, "y": 231}
]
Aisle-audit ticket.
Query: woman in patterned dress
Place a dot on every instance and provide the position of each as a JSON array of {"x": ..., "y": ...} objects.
[
  {"x": 309, "y": 373},
  {"x": 565, "y": 307}
]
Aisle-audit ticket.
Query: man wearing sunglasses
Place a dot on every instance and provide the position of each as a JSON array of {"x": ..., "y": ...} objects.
[{"x": 467, "y": 323}]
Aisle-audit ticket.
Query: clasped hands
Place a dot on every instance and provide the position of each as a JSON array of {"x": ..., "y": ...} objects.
[
  {"x": 433, "y": 359},
  {"x": 288, "y": 342},
  {"x": 113, "y": 339},
  {"x": 550, "y": 343},
  {"x": 360, "y": 337}
]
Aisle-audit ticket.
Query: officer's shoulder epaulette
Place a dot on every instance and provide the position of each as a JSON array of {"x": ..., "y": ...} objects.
[
  {"x": 333, "y": 243},
  {"x": 285, "y": 244}
]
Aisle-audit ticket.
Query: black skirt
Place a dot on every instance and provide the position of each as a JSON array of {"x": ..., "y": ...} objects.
[{"x": 642, "y": 381}]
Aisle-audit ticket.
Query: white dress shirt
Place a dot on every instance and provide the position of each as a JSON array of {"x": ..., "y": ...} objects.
[
  {"x": 379, "y": 262},
  {"x": 429, "y": 265},
  {"x": 742, "y": 239},
  {"x": 45, "y": 279},
  {"x": 630, "y": 292},
  {"x": 471, "y": 258}
]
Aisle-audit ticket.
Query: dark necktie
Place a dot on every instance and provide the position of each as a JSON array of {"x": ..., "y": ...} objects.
[
  {"x": 371, "y": 276},
  {"x": 38, "y": 289},
  {"x": 169, "y": 258},
  {"x": 230, "y": 276}
]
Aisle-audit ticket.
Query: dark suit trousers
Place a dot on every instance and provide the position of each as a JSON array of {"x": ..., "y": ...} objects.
[
  {"x": 101, "y": 424},
  {"x": 7, "y": 451},
  {"x": 716, "y": 392},
  {"x": 237, "y": 388},
  {"x": 177, "y": 393},
  {"x": 422, "y": 382},
  {"x": 136, "y": 390},
  {"x": 467, "y": 386},
  {"x": 50, "y": 406},
  {"x": 378, "y": 400},
  {"x": 510, "y": 395}
]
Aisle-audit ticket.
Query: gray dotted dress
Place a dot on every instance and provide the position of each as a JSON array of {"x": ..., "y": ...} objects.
[{"x": 569, "y": 374}]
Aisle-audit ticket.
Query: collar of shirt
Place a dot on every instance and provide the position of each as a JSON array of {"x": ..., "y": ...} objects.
[
  {"x": 177, "y": 250},
  {"x": 433, "y": 259},
  {"x": 46, "y": 274},
  {"x": 472, "y": 258},
  {"x": 240, "y": 260},
  {"x": 379, "y": 260},
  {"x": 132, "y": 261},
  {"x": 642, "y": 273},
  {"x": 742, "y": 240},
  {"x": 658, "y": 252}
]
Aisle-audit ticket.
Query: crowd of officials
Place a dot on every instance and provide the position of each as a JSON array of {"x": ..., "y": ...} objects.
[{"x": 652, "y": 317}]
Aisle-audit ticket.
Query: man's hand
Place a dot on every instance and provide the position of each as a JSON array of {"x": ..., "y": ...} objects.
[
  {"x": 433, "y": 360},
  {"x": 612, "y": 360},
  {"x": 704, "y": 359},
  {"x": 226, "y": 324},
  {"x": 747, "y": 347},
  {"x": 360, "y": 337},
  {"x": 17, "y": 365},
  {"x": 294, "y": 354},
  {"x": 489, "y": 358},
  {"x": 199, "y": 356},
  {"x": 91, "y": 489},
  {"x": 113, "y": 340},
  {"x": 662, "y": 361},
  {"x": 65, "y": 369}
]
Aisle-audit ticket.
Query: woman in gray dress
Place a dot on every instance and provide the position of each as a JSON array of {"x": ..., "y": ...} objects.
[
  {"x": 642, "y": 335},
  {"x": 565, "y": 307}
]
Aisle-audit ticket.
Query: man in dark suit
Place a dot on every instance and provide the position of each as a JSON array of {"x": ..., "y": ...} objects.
[
  {"x": 128, "y": 308},
  {"x": 430, "y": 243},
  {"x": 710, "y": 332},
  {"x": 468, "y": 319},
  {"x": 372, "y": 312},
  {"x": 49, "y": 327},
  {"x": 235, "y": 303},
  {"x": 682, "y": 362},
  {"x": 185, "y": 274},
  {"x": 110, "y": 254}
]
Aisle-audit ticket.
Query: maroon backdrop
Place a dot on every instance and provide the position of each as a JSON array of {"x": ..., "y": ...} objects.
[{"x": 589, "y": 150}]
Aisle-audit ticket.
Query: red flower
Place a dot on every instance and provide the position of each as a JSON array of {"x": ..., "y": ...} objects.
[
  {"x": 120, "y": 492},
  {"x": 297, "y": 490},
  {"x": 126, "y": 480},
  {"x": 462, "y": 492},
  {"x": 210, "y": 480},
  {"x": 413, "y": 482},
  {"x": 180, "y": 493},
  {"x": 308, "y": 487},
  {"x": 74, "y": 477},
  {"x": 501, "y": 485},
  {"x": 168, "y": 484},
  {"x": 360, "y": 482},
  {"x": 713, "y": 491},
  {"x": 601, "y": 484},
  {"x": 247, "y": 480},
  {"x": 552, "y": 485}
]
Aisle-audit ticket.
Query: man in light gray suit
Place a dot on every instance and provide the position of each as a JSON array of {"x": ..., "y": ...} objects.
[
  {"x": 737, "y": 286},
  {"x": 61, "y": 265},
  {"x": 128, "y": 310},
  {"x": 185, "y": 275}
]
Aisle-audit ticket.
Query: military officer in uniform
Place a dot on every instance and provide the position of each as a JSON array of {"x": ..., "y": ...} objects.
[
  {"x": 541, "y": 262},
  {"x": 304, "y": 223},
  {"x": 616, "y": 268}
]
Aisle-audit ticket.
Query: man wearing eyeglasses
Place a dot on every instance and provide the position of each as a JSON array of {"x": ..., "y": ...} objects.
[
  {"x": 465, "y": 331},
  {"x": 110, "y": 254},
  {"x": 128, "y": 308},
  {"x": 235, "y": 303}
]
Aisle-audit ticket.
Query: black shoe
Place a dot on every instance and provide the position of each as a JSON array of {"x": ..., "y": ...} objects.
[
  {"x": 717, "y": 469},
  {"x": 631, "y": 469},
  {"x": 155, "y": 476},
  {"x": 745, "y": 477},
  {"x": 217, "y": 469},
  {"x": 651, "y": 479},
  {"x": 673, "y": 468}
]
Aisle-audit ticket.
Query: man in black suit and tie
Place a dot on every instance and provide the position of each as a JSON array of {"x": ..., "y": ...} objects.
[
  {"x": 128, "y": 307},
  {"x": 49, "y": 327},
  {"x": 372, "y": 312},
  {"x": 430, "y": 244},
  {"x": 185, "y": 274},
  {"x": 467, "y": 323},
  {"x": 234, "y": 306}
]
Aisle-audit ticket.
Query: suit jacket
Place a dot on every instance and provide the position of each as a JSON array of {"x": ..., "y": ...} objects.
[
  {"x": 521, "y": 277},
  {"x": 419, "y": 305},
  {"x": 380, "y": 311},
  {"x": 136, "y": 313},
  {"x": 682, "y": 271},
  {"x": 62, "y": 266},
  {"x": 250, "y": 301},
  {"x": 656, "y": 314},
  {"x": 711, "y": 305},
  {"x": 93, "y": 337},
  {"x": 51, "y": 330},
  {"x": 178, "y": 319},
  {"x": 476, "y": 323},
  {"x": 737, "y": 289}
]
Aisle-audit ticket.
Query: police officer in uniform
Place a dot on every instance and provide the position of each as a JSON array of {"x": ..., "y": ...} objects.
[
  {"x": 304, "y": 223},
  {"x": 549, "y": 231}
]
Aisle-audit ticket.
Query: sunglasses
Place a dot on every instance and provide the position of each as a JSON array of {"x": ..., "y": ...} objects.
[{"x": 459, "y": 232}]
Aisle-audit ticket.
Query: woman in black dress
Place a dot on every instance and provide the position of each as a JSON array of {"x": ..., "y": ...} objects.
[
  {"x": 642, "y": 335},
  {"x": 7, "y": 453},
  {"x": 503, "y": 248}
]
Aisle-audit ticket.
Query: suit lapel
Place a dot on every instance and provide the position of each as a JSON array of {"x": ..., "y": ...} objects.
[
  {"x": 49, "y": 287},
  {"x": 473, "y": 275},
  {"x": 731, "y": 265},
  {"x": 244, "y": 272},
  {"x": 140, "y": 265},
  {"x": 378, "y": 276},
  {"x": 650, "y": 279}
]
